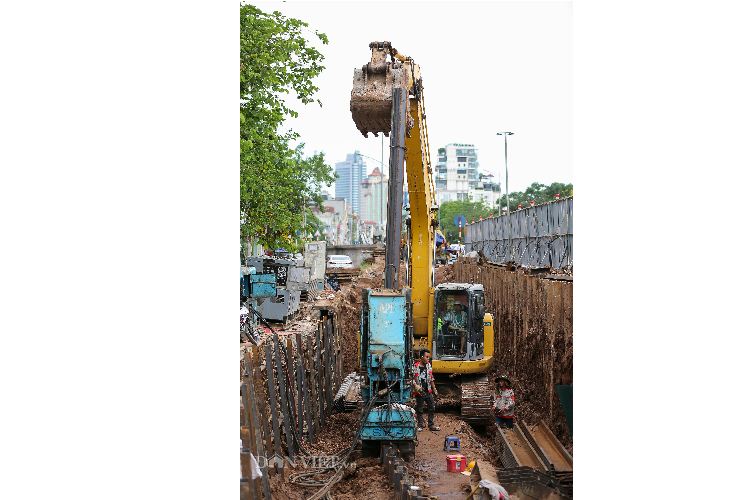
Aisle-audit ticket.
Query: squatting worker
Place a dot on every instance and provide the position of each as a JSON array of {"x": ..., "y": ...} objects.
[
  {"x": 424, "y": 383},
  {"x": 505, "y": 402}
]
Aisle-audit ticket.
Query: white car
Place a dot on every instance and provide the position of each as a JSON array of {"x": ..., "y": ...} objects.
[{"x": 339, "y": 262}]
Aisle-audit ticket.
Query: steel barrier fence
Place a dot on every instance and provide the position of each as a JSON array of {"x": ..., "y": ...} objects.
[{"x": 539, "y": 236}]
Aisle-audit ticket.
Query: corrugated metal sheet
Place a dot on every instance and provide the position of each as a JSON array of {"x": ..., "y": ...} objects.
[{"x": 536, "y": 236}]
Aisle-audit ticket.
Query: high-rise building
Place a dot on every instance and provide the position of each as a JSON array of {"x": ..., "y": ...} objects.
[
  {"x": 374, "y": 197},
  {"x": 457, "y": 176},
  {"x": 349, "y": 184}
]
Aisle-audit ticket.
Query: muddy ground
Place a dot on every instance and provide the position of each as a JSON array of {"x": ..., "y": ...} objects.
[{"x": 367, "y": 480}]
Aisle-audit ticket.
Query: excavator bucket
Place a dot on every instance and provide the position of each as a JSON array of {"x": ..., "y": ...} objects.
[{"x": 372, "y": 92}]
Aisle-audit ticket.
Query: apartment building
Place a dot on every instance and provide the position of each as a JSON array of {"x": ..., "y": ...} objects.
[
  {"x": 374, "y": 202},
  {"x": 352, "y": 172},
  {"x": 457, "y": 176}
]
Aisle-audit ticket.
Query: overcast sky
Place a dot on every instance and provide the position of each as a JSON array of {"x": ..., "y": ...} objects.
[{"x": 487, "y": 67}]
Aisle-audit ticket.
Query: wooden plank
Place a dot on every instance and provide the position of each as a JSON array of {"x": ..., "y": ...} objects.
[
  {"x": 326, "y": 367},
  {"x": 319, "y": 369},
  {"x": 249, "y": 421},
  {"x": 335, "y": 343},
  {"x": 342, "y": 375},
  {"x": 313, "y": 383},
  {"x": 334, "y": 357},
  {"x": 298, "y": 411},
  {"x": 323, "y": 371},
  {"x": 250, "y": 425},
  {"x": 292, "y": 369},
  {"x": 300, "y": 401},
  {"x": 258, "y": 442},
  {"x": 281, "y": 372},
  {"x": 329, "y": 368},
  {"x": 305, "y": 384},
  {"x": 289, "y": 362},
  {"x": 272, "y": 400},
  {"x": 329, "y": 380},
  {"x": 245, "y": 491},
  {"x": 245, "y": 437},
  {"x": 260, "y": 396},
  {"x": 245, "y": 467}
]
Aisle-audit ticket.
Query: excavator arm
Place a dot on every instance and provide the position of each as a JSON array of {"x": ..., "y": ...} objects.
[{"x": 371, "y": 106}]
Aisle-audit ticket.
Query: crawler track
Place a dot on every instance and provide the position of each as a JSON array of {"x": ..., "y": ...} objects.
[{"x": 476, "y": 400}]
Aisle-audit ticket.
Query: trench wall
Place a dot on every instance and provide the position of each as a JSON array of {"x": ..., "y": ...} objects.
[{"x": 533, "y": 323}]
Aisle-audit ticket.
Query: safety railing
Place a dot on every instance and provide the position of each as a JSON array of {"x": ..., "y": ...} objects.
[{"x": 536, "y": 236}]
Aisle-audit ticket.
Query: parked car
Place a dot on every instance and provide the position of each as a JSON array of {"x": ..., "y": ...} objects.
[{"x": 339, "y": 262}]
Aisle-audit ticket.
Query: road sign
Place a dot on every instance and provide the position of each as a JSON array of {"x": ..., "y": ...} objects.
[{"x": 459, "y": 220}]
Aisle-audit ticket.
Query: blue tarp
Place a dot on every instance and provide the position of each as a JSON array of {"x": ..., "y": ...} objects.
[{"x": 439, "y": 238}]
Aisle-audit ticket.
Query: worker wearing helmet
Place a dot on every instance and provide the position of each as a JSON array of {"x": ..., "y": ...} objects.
[{"x": 505, "y": 402}]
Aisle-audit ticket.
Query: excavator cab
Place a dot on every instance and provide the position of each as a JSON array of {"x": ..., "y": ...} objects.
[{"x": 458, "y": 322}]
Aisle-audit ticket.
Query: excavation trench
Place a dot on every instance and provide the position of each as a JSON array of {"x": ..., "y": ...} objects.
[{"x": 524, "y": 352}]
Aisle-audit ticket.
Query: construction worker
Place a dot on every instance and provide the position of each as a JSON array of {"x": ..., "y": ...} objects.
[
  {"x": 425, "y": 391},
  {"x": 457, "y": 320},
  {"x": 505, "y": 402},
  {"x": 442, "y": 308}
]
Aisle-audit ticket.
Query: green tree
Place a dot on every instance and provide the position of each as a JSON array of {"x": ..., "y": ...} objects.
[
  {"x": 538, "y": 193},
  {"x": 313, "y": 224},
  {"x": 275, "y": 180},
  {"x": 472, "y": 210}
]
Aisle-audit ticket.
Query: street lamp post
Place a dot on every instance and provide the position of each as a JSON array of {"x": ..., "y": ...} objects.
[{"x": 507, "y": 195}]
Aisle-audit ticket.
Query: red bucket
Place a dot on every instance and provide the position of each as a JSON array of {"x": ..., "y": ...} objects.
[{"x": 456, "y": 463}]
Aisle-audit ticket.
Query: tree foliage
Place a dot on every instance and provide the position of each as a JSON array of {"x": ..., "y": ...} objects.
[
  {"x": 538, "y": 193},
  {"x": 471, "y": 210},
  {"x": 276, "y": 181},
  {"x": 313, "y": 224}
]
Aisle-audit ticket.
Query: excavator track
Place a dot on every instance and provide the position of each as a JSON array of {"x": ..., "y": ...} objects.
[{"x": 476, "y": 400}]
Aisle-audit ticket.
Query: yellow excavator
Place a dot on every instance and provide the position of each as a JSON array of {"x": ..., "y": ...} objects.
[{"x": 449, "y": 319}]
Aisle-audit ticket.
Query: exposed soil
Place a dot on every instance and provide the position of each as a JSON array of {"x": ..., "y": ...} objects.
[
  {"x": 444, "y": 274},
  {"x": 367, "y": 480},
  {"x": 430, "y": 459}
]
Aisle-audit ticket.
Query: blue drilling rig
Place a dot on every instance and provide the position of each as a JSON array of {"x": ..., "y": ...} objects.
[{"x": 386, "y": 360}]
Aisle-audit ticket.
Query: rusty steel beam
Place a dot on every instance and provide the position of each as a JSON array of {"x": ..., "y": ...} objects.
[{"x": 395, "y": 187}]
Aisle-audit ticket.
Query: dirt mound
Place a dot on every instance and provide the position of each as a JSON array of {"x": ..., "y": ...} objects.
[
  {"x": 336, "y": 435},
  {"x": 444, "y": 274},
  {"x": 367, "y": 480}
]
